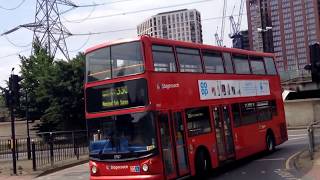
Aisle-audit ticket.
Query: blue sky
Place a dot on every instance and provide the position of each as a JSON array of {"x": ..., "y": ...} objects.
[{"x": 19, "y": 42}]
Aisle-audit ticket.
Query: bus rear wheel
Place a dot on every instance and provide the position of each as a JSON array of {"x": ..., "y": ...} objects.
[
  {"x": 270, "y": 143},
  {"x": 202, "y": 165}
]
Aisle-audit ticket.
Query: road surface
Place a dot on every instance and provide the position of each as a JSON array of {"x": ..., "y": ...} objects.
[{"x": 262, "y": 167}]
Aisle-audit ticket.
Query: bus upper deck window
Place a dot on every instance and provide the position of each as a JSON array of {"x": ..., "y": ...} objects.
[
  {"x": 189, "y": 60},
  {"x": 270, "y": 66},
  {"x": 98, "y": 65},
  {"x": 126, "y": 59},
  {"x": 213, "y": 62},
  {"x": 241, "y": 64},
  {"x": 228, "y": 63},
  {"x": 257, "y": 65},
  {"x": 163, "y": 59}
]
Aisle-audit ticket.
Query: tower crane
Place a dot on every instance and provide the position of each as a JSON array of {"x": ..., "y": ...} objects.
[
  {"x": 235, "y": 33},
  {"x": 219, "y": 39}
]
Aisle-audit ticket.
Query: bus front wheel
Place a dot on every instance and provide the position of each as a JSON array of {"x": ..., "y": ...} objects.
[{"x": 202, "y": 164}]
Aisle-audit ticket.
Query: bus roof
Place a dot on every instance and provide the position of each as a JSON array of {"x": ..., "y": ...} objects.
[{"x": 180, "y": 43}]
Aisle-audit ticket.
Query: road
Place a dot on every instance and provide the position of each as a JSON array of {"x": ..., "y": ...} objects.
[
  {"x": 267, "y": 167},
  {"x": 263, "y": 167}
]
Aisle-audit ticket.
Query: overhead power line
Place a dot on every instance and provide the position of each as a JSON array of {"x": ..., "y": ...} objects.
[
  {"x": 13, "y": 8},
  {"x": 92, "y": 5},
  {"x": 16, "y": 53},
  {"x": 137, "y": 11},
  {"x": 15, "y": 44},
  {"x": 80, "y": 20},
  {"x": 131, "y": 29}
]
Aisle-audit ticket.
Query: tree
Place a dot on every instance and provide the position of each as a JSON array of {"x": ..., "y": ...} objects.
[
  {"x": 66, "y": 109},
  {"x": 55, "y": 90},
  {"x": 35, "y": 71}
]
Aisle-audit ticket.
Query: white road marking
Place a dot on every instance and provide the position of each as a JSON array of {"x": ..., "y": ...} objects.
[
  {"x": 285, "y": 174},
  {"x": 272, "y": 159},
  {"x": 297, "y": 138},
  {"x": 290, "y": 158},
  {"x": 298, "y": 135}
]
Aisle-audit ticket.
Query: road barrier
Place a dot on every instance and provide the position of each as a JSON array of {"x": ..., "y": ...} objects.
[{"x": 314, "y": 138}]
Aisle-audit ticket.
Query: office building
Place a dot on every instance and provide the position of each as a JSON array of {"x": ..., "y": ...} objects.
[
  {"x": 295, "y": 26},
  {"x": 184, "y": 25}
]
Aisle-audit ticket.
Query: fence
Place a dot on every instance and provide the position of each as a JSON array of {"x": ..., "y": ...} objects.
[
  {"x": 47, "y": 149},
  {"x": 21, "y": 148},
  {"x": 314, "y": 138}
]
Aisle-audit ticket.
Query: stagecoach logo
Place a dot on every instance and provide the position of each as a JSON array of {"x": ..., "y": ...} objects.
[
  {"x": 117, "y": 167},
  {"x": 117, "y": 156},
  {"x": 168, "y": 86}
]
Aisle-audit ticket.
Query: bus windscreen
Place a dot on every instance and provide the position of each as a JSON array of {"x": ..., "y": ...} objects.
[{"x": 117, "y": 96}]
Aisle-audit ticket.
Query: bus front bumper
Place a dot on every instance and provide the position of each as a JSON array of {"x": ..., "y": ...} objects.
[{"x": 147, "y": 177}]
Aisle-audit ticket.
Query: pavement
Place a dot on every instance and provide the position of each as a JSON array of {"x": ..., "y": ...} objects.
[
  {"x": 25, "y": 171},
  {"x": 309, "y": 168}
]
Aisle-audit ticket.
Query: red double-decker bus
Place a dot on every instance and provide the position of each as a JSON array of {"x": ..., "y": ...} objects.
[{"x": 164, "y": 109}]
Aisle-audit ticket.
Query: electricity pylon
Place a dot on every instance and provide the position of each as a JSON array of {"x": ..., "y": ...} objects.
[{"x": 50, "y": 32}]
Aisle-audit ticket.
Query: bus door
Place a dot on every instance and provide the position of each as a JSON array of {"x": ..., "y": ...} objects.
[
  {"x": 167, "y": 145},
  {"x": 223, "y": 131},
  {"x": 180, "y": 143}
]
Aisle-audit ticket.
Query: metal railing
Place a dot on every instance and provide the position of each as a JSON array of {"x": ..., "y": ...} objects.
[
  {"x": 52, "y": 148},
  {"x": 314, "y": 138},
  {"x": 47, "y": 149}
]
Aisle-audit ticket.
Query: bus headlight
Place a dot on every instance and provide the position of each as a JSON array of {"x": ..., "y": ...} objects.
[
  {"x": 94, "y": 169},
  {"x": 145, "y": 167}
]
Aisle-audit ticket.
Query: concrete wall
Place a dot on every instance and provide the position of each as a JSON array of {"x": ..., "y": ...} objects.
[
  {"x": 302, "y": 112},
  {"x": 21, "y": 128},
  {"x": 4, "y": 114}
]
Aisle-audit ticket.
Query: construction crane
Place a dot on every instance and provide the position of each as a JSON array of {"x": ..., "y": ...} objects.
[
  {"x": 219, "y": 39},
  {"x": 235, "y": 33}
]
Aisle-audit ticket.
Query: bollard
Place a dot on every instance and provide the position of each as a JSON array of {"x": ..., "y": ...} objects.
[
  {"x": 17, "y": 150},
  {"x": 74, "y": 144},
  {"x": 28, "y": 148},
  {"x": 51, "y": 149},
  {"x": 77, "y": 150},
  {"x": 33, "y": 150},
  {"x": 311, "y": 142}
]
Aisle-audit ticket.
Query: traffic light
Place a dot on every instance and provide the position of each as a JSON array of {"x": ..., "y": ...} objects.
[
  {"x": 7, "y": 97},
  {"x": 14, "y": 88},
  {"x": 315, "y": 62}
]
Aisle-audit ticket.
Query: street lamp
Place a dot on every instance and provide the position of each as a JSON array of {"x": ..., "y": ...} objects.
[{"x": 264, "y": 30}]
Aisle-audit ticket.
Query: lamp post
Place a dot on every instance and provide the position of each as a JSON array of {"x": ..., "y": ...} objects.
[
  {"x": 13, "y": 133},
  {"x": 28, "y": 129},
  {"x": 263, "y": 31}
]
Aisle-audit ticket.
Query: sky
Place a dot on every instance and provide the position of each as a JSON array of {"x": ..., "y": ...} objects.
[{"x": 110, "y": 17}]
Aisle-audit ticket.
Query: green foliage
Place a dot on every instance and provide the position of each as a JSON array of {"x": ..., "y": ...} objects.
[
  {"x": 2, "y": 101},
  {"x": 55, "y": 92}
]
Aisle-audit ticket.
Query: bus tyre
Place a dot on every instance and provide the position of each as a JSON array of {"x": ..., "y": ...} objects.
[
  {"x": 202, "y": 164},
  {"x": 270, "y": 143}
]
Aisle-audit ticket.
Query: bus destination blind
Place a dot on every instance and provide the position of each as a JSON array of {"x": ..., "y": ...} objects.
[{"x": 115, "y": 97}]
